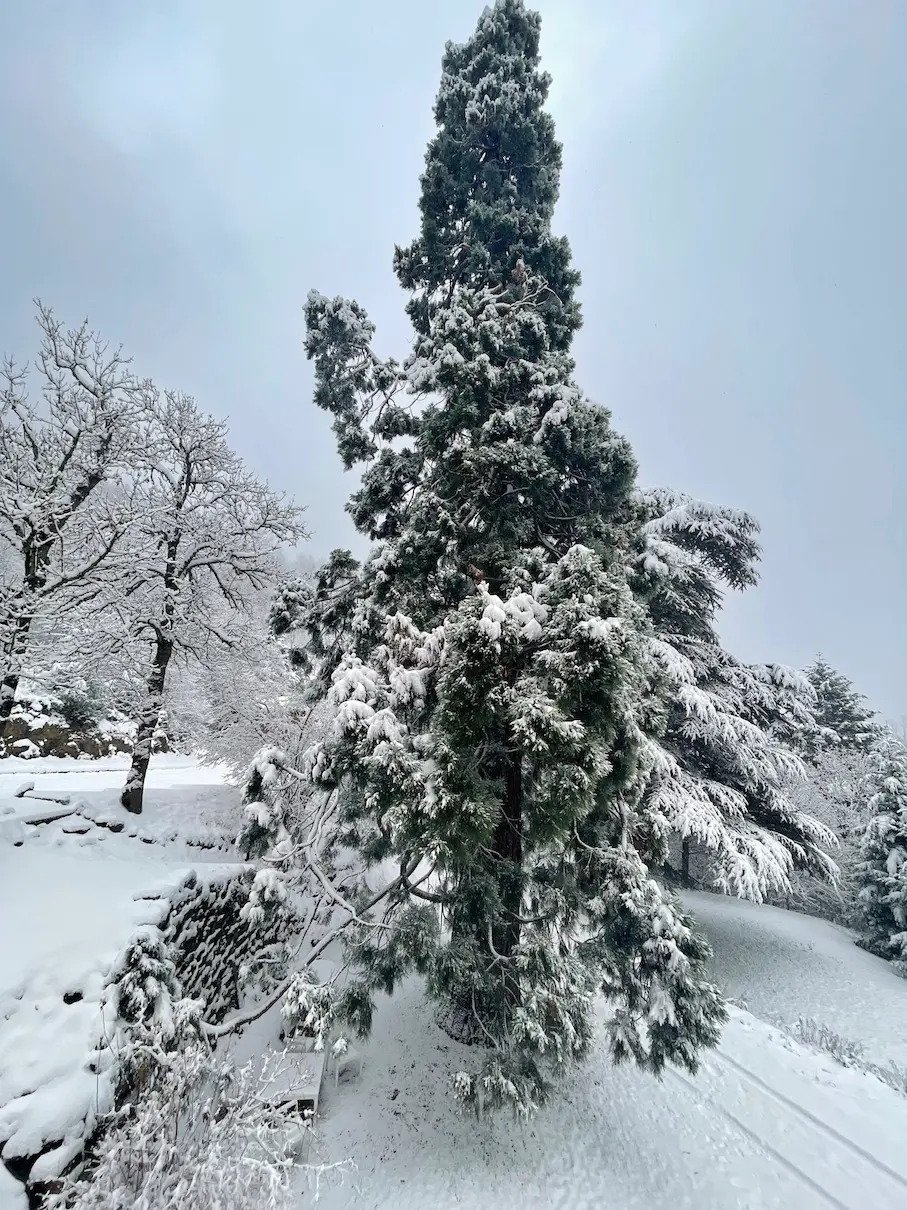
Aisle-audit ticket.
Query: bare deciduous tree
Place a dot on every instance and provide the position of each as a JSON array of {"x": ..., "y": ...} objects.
[
  {"x": 60, "y": 529},
  {"x": 205, "y": 538}
]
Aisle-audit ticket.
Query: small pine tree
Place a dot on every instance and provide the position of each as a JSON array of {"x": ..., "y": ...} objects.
[
  {"x": 883, "y": 869},
  {"x": 842, "y": 716},
  {"x": 488, "y": 664}
]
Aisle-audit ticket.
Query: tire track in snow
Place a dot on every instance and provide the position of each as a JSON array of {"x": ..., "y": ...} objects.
[
  {"x": 795, "y": 1138},
  {"x": 762, "y": 1142},
  {"x": 811, "y": 1117}
]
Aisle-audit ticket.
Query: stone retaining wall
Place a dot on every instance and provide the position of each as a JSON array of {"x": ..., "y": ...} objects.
[{"x": 197, "y": 914}]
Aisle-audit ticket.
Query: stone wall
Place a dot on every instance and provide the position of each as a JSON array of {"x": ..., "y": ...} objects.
[
  {"x": 208, "y": 940},
  {"x": 197, "y": 915}
]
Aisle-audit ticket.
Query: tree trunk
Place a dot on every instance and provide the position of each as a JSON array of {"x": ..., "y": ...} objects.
[
  {"x": 134, "y": 790},
  {"x": 685, "y": 861},
  {"x": 8, "y": 687},
  {"x": 12, "y": 655},
  {"x": 461, "y": 1016},
  {"x": 508, "y": 851}
]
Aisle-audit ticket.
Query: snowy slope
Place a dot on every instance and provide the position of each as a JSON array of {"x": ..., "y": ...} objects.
[
  {"x": 785, "y": 965},
  {"x": 73, "y": 914}
]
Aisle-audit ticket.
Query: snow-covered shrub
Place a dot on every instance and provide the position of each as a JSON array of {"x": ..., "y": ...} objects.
[
  {"x": 813, "y": 1033},
  {"x": 55, "y": 723},
  {"x": 202, "y": 1135},
  {"x": 146, "y": 982},
  {"x": 83, "y": 704},
  {"x": 152, "y": 1015},
  {"x": 843, "y": 1050}
]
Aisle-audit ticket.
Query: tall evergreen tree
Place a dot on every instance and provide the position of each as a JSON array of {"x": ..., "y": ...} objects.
[
  {"x": 843, "y": 717},
  {"x": 883, "y": 869},
  {"x": 489, "y": 663},
  {"x": 725, "y": 767}
]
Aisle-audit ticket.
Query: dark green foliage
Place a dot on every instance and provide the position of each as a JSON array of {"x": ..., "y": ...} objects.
[
  {"x": 883, "y": 869},
  {"x": 83, "y": 708},
  {"x": 257, "y": 833},
  {"x": 488, "y": 664},
  {"x": 842, "y": 716},
  {"x": 356, "y": 1007},
  {"x": 491, "y": 179}
]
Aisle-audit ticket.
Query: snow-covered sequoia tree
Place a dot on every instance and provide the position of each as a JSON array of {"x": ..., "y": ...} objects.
[
  {"x": 883, "y": 870},
  {"x": 725, "y": 771},
  {"x": 489, "y": 664},
  {"x": 206, "y": 537}
]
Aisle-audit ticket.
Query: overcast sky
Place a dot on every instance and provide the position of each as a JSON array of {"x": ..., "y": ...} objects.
[{"x": 735, "y": 192}]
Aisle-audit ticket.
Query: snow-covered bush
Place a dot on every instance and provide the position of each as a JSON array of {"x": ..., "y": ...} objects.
[
  {"x": 49, "y": 721},
  {"x": 203, "y": 1135},
  {"x": 84, "y": 704},
  {"x": 821, "y": 1037}
]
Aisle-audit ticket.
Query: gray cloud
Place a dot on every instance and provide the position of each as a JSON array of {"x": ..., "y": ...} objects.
[{"x": 734, "y": 188}]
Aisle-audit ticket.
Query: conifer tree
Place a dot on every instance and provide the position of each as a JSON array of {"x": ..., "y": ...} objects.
[
  {"x": 489, "y": 664},
  {"x": 726, "y": 765},
  {"x": 843, "y": 718},
  {"x": 883, "y": 869}
]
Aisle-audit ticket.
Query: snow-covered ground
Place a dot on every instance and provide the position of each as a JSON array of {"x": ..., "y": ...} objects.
[
  {"x": 167, "y": 769},
  {"x": 784, "y": 965},
  {"x": 766, "y": 1123},
  {"x": 72, "y": 894},
  {"x": 188, "y": 806}
]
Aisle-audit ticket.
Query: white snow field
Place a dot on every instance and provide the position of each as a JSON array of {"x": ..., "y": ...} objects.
[
  {"x": 764, "y": 1124},
  {"x": 767, "y": 1124}
]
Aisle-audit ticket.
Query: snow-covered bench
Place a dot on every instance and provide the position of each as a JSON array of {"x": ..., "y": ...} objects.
[{"x": 298, "y": 1081}]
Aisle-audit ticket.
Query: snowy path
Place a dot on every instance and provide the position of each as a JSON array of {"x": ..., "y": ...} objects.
[
  {"x": 766, "y": 1125},
  {"x": 838, "y": 1132}
]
